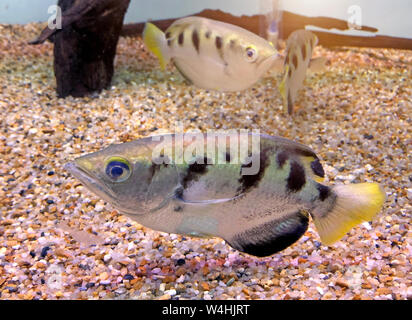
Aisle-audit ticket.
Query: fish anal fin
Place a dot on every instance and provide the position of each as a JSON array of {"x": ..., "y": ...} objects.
[{"x": 271, "y": 237}]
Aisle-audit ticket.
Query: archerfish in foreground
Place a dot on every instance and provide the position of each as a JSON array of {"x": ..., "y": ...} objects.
[
  {"x": 259, "y": 200},
  {"x": 212, "y": 54},
  {"x": 298, "y": 59}
]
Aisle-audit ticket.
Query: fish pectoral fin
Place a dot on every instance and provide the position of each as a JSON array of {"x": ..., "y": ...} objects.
[
  {"x": 204, "y": 202},
  {"x": 271, "y": 237},
  {"x": 317, "y": 64}
]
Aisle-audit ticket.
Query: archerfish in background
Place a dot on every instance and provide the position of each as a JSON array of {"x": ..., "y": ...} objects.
[
  {"x": 212, "y": 54},
  {"x": 298, "y": 58},
  {"x": 259, "y": 201}
]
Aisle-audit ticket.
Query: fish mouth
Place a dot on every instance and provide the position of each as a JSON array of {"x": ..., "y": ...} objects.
[
  {"x": 90, "y": 181},
  {"x": 267, "y": 63},
  {"x": 271, "y": 60}
]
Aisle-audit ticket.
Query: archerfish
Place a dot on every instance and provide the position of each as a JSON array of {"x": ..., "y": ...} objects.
[
  {"x": 212, "y": 54},
  {"x": 259, "y": 200},
  {"x": 298, "y": 59}
]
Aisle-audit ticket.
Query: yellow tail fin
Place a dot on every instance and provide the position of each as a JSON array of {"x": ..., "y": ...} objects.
[
  {"x": 155, "y": 41},
  {"x": 355, "y": 203}
]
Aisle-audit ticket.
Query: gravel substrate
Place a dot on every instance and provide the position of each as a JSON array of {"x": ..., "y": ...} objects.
[{"x": 59, "y": 241}]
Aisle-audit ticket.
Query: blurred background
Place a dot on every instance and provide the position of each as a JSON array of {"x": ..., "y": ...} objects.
[{"x": 391, "y": 18}]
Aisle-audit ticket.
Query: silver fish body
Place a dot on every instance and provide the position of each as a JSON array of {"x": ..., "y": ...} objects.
[
  {"x": 169, "y": 184},
  {"x": 212, "y": 54}
]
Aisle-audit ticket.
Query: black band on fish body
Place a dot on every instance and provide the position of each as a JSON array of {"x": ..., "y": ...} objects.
[
  {"x": 290, "y": 103},
  {"x": 296, "y": 179},
  {"x": 195, "y": 40},
  {"x": 287, "y": 59},
  {"x": 195, "y": 171},
  {"x": 219, "y": 42},
  {"x": 228, "y": 158},
  {"x": 248, "y": 182},
  {"x": 271, "y": 237},
  {"x": 281, "y": 158},
  {"x": 181, "y": 38},
  {"x": 303, "y": 51},
  {"x": 317, "y": 168},
  {"x": 324, "y": 191},
  {"x": 295, "y": 61}
]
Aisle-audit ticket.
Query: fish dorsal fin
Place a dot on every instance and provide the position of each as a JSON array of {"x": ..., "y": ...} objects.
[{"x": 271, "y": 237}]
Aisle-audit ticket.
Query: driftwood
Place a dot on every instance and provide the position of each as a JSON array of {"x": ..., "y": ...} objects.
[
  {"x": 291, "y": 22},
  {"x": 85, "y": 46}
]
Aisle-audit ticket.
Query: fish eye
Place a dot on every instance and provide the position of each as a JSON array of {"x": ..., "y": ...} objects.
[
  {"x": 118, "y": 169},
  {"x": 251, "y": 54}
]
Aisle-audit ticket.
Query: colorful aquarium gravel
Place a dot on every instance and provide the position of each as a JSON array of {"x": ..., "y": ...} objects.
[{"x": 59, "y": 241}]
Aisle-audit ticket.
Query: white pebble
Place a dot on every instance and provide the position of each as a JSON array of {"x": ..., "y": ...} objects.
[
  {"x": 33, "y": 131},
  {"x": 171, "y": 292},
  {"x": 359, "y": 171},
  {"x": 367, "y": 225},
  {"x": 131, "y": 246},
  {"x": 409, "y": 293},
  {"x": 99, "y": 207},
  {"x": 409, "y": 192}
]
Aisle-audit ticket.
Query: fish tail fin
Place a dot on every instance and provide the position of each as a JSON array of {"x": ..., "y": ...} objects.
[
  {"x": 355, "y": 203},
  {"x": 155, "y": 41}
]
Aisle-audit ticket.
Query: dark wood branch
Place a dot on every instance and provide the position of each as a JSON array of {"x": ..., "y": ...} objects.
[
  {"x": 85, "y": 47},
  {"x": 71, "y": 15}
]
